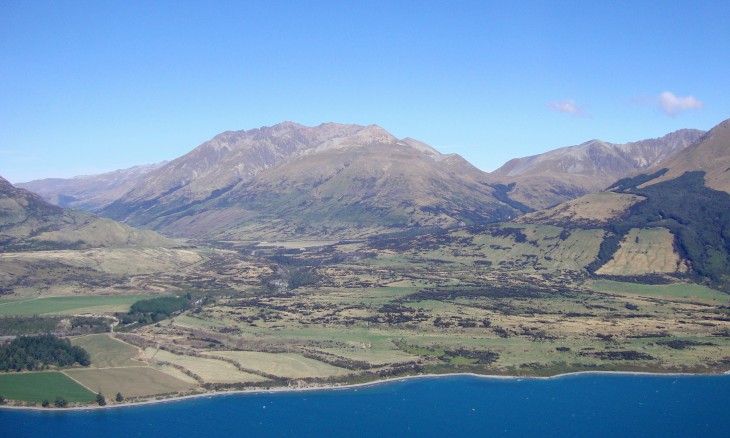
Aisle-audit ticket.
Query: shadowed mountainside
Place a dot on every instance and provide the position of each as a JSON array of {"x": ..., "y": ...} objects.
[
  {"x": 686, "y": 198},
  {"x": 27, "y": 222}
]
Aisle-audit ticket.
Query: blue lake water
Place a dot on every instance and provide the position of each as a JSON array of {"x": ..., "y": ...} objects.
[{"x": 577, "y": 405}]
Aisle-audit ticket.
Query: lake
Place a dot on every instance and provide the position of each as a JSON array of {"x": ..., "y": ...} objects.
[{"x": 575, "y": 405}]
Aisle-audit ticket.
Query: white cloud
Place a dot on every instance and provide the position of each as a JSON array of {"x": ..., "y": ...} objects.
[
  {"x": 567, "y": 106},
  {"x": 672, "y": 105}
]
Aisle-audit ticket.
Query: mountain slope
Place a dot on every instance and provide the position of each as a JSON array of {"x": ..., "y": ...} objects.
[
  {"x": 29, "y": 222},
  {"x": 220, "y": 163},
  {"x": 682, "y": 204},
  {"x": 561, "y": 174},
  {"x": 329, "y": 180}
]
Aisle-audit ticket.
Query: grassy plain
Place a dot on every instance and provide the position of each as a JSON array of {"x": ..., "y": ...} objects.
[
  {"x": 68, "y": 305},
  {"x": 36, "y": 387},
  {"x": 679, "y": 291},
  {"x": 509, "y": 300},
  {"x": 448, "y": 301}
]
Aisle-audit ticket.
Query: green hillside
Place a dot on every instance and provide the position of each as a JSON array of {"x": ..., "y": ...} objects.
[{"x": 698, "y": 217}]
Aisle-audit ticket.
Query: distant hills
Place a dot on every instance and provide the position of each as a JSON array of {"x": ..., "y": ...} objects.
[
  {"x": 546, "y": 179},
  {"x": 89, "y": 192},
  {"x": 344, "y": 181}
]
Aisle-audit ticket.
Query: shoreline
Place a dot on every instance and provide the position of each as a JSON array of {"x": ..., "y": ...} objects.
[{"x": 173, "y": 399}]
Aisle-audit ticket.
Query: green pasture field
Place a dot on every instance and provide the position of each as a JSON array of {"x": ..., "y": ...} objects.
[
  {"x": 295, "y": 244},
  {"x": 373, "y": 356},
  {"x": 69, "y": 305},
  {"x": 36, "y": 387},
  {"x": 683, "y": 291}
]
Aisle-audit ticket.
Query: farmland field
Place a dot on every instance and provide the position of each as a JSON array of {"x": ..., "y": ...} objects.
[
  {"x": 677, "y": 291},
  {"x": 503, "y": 300},
  {"x": 106, "y": 351},
  {"x": 72, "y": 305},
  {"x": 131, "y": 382},
  {"x": 210, "y": 370},
  {"x": 36, "y": 387},
  {"x": 642, "y": 251},
  {"x": 282, "y": 364}
]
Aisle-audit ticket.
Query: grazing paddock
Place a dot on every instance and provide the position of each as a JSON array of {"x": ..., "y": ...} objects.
[
  {"x": 210, "y": 370},
  {"x": 107, "y": 352},
  {"x": 36, "y": 387},
  {"x": 645, "y": 251},
  {"x": 373, "y": 356},
  {"x": 68, "y": 305},
  {"x": 668, "y": 291},
  {"x": 287, "y": 365},
  {"x": 131, "y": 382}
]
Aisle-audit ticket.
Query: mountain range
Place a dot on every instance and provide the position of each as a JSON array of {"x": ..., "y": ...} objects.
[
  {"x": 89, "y": 192},
  {"x": 342, "y": 181},
  {"x": 546, "y": 179},
  {"x": 291, "y": 180},
  {"x": 667, "y": 197}
]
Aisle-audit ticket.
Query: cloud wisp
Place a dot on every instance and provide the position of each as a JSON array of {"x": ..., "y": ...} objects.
[
  {"x": 567, "y": 106},
  {"x": 672, "y": 105}
]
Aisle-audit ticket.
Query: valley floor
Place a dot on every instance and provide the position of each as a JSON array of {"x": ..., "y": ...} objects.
[{"x": 354, "y": 313}]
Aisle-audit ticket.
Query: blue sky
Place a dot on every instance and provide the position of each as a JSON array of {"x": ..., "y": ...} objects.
[{"x": 92, "y": 86}]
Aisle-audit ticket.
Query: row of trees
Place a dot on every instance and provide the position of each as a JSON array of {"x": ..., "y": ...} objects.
[
  {"x": 61, "y": 402},
  {"x": 101, "y": 400}
]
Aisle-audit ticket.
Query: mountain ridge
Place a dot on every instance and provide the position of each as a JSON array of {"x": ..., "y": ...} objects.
[
  {"x": 337, "y": 176},
  {"x": 290, "y": 172},
  {"x": 565, "y": 173}
]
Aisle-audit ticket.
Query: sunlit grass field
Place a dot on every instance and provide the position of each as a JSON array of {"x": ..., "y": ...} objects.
[
  {"x": 36, "y": 387},
  {"x": 72, "y": 305}
]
